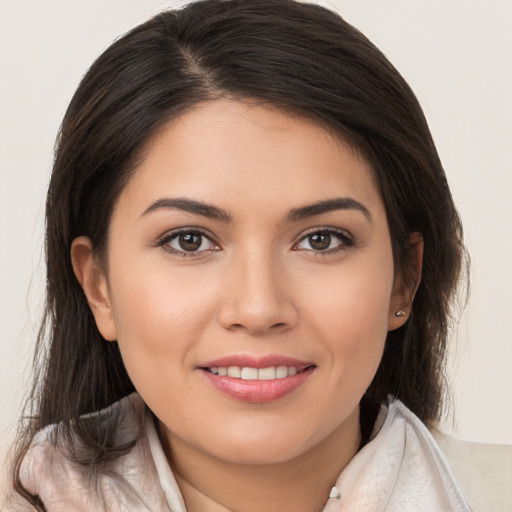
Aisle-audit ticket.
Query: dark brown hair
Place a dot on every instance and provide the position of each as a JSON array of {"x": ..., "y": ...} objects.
[{"x": 295, "y": 56}]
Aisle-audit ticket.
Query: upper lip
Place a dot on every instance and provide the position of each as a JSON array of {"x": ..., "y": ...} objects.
[{"x": 247, "y": 361}]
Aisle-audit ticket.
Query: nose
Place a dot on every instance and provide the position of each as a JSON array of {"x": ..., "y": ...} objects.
[{"x": 257, "y": 298}]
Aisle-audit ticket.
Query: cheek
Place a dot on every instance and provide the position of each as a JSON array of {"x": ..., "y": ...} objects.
[
  {"x": 152, "y": 298},
  {"x": 159, "y": 319},
  {"x": 350, "y": 310},
  {"x": 350, "y": 300}
]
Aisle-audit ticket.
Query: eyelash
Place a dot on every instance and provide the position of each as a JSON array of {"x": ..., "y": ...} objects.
[
  {"x": 346, "y": 241},
  {"x": 166, "y": 239}
]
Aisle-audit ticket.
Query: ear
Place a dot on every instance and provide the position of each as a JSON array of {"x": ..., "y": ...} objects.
[
  {"x": 94, "y": 284},
  {"x": 403, "y": 293}
]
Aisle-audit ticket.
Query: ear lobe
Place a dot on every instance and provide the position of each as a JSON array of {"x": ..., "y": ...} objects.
[
  {"x": 403, "y": 293},
  {"x": 94, "y": 284}
]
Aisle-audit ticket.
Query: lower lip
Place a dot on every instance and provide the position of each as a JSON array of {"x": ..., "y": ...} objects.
[{"x": 257, "y": 391}]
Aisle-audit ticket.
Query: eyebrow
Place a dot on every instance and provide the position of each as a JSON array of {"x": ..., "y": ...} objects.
[
  {"x": 329, "y": 205},
  {"x": 213, "y": 212},
  {"x": 188, "y": 205}
]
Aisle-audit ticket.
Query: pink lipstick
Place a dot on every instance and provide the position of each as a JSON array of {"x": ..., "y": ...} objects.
[{"x": 256, "y": 379}]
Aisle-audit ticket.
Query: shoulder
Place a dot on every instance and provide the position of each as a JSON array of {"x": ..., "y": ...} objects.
[
  {"x": 57, "y": 467},
  {"x": 56, "y": 454},
  {"x": 483, "y": 471}
]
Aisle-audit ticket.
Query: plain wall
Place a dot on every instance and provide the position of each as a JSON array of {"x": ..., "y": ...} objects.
[{"x": 456, "y": 55}]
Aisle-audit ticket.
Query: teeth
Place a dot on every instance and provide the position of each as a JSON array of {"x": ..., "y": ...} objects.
[
  {"x": 234, "y": 371},
  {"x": 281, "y": 372},
  {"x": 250, "y": 373},
  {"x": 247, "y": 373},
  {"x": 267, "y": 374}
]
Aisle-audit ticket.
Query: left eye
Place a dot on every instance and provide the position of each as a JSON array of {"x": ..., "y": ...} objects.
[
  {"x": 188, "y": 241},
  {"x": 323, "y": 241}
]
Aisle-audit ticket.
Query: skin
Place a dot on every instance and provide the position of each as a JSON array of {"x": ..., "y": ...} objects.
[{"x": 259, "y": 287}]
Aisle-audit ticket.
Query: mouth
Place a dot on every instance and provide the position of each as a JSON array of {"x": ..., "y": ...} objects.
[{"x": 258, "y": 382}]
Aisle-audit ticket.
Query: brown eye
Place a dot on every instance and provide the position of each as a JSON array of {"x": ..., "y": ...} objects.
[
  {"x": 320, "y": 241},
  {"x": 327, "y": 241},
  {"x": 188, "y": 242}
]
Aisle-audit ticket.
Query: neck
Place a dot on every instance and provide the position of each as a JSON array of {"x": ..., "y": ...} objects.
[{"x": 302, "y": 483}]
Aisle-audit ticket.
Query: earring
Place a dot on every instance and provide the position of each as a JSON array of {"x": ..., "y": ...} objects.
[{"x": 400, "y": 313}]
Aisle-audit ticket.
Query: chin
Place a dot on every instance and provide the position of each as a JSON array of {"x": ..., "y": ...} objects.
[{"x": 261, "y": 449}]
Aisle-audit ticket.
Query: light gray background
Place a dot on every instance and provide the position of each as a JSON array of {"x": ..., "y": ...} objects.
[{"x": 456, "y": 54}]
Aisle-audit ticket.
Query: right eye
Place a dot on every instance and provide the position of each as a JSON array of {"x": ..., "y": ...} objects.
[{"x": 188, "y": 243}]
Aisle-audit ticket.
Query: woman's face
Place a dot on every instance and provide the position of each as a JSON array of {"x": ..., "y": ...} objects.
[{"x": 250, "y": 282}]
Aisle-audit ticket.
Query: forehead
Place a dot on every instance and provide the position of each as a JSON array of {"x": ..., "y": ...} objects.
[{"x": 246, "y": 154}]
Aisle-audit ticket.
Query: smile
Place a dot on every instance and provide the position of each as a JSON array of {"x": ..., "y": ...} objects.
[
  {"x": 248, "y": 373},
  {"x": 257, "y": 382}
]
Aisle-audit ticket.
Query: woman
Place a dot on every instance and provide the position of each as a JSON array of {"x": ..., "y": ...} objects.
[{"x": 252, "y": 250}]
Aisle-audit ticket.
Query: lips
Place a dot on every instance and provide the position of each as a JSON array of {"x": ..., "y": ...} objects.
[{"x": 257, "y": 380}]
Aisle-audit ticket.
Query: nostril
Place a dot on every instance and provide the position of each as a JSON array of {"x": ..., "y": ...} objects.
[{"x": 236, "y": 327}]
